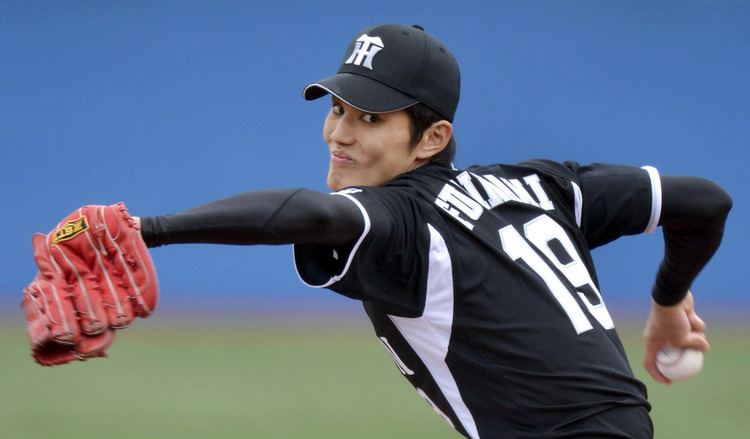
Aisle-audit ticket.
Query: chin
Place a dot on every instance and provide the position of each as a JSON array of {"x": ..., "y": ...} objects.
[
  {"x": 334, "y": 183},
  {"x": 338, "y": 180}
]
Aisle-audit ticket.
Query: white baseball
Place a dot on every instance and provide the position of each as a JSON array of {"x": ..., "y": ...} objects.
[{"x": 679, "y": 364}]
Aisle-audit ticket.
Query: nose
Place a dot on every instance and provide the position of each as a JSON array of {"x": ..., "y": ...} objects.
[{"x": 340, "y": 131}]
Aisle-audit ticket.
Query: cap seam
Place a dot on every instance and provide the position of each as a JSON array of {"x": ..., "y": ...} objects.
[{"x": 422, "y": 64}]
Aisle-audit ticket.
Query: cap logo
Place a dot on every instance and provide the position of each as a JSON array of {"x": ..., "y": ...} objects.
[{"x": 365, "y": 50}]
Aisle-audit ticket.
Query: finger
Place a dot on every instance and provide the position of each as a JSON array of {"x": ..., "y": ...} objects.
[
  {"x": 130, "y": 258},
  {"x": 59, "y": 312},
  {"x": 51, "y": 332},
  {"x": 649, "y": 363},
  {"x": 654, "y": 373},
  {"x": 42, "y": 258},
  {"x": 689, "y": 301},
  {"x": 38, "y": 323},
  {"x": 65, "y": 246},
  {"x": 83, "y": 286},
  {"x": 119, "y": 312},
  {"x": 697, "y": 341},
  {"x": 696, "y": 323},
  {"x": 94, "y": 345}
]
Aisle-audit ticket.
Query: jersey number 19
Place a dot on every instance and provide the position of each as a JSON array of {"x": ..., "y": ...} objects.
[{"x": 541, "y": 232}]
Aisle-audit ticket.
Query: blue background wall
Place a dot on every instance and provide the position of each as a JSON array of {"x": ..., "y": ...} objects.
[{"x": 165, "y": 105}]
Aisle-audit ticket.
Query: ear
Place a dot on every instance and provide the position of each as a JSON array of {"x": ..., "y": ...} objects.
[{"x": 434, "y": 139}]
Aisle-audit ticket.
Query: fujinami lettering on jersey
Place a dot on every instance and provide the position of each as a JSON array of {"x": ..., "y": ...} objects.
[
  {"x": 461, "y": 199},
  {"x": 364, "y": 51}
]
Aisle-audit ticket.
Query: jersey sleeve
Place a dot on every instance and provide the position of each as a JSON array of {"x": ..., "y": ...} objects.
[
  {"x": 608, "y": 201},
  {"x": 384, "y": 265}
]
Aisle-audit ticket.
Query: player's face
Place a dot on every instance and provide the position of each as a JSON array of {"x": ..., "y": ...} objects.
[{"x": 367, "y": 149}]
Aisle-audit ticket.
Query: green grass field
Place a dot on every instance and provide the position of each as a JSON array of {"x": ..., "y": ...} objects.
[{"x": 275, "y": 381}]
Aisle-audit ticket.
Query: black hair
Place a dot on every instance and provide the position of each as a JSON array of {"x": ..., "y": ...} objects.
[{"x": 422, "y": 117}]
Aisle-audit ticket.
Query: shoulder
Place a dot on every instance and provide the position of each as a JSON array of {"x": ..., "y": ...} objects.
[{"x": 564, "y": 170}]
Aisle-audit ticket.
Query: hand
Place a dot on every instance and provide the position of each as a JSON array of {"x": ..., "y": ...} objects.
[
  {"x": 95, "y": 276},
  {"x": 677, "y": 325}
]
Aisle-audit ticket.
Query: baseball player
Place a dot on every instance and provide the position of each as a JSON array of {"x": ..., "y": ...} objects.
[{"x": 479, "y": 282}]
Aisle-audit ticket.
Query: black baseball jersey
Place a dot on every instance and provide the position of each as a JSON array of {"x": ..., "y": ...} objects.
[{"x": 481, "y": 286}]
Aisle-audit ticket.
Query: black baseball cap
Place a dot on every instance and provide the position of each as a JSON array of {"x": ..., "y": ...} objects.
[{"x": 390, "y": 67}]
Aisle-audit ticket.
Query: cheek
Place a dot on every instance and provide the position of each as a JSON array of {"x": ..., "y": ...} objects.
[
  {"x": 374, "y": 153},
  {"x": 395, "y": 150},
  {"x": 327, "y": 128},
  {"x": 388, "y": 160}
]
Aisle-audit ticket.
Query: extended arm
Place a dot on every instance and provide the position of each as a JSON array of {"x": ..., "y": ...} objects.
[
  {"x": 693, "y": 215},
  {"x": 279, "y": 216}
]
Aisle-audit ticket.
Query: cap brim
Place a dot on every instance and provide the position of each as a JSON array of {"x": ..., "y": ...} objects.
[{"x": 360, "y": 92}]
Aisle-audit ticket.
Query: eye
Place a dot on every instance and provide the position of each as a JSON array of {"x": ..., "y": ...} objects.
[
  {"x": 337, "y": 109},
  {"x": 370, "y": 117}
]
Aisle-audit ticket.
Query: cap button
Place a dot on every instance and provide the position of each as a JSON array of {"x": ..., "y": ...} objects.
[{"x": 416, "y": 26}]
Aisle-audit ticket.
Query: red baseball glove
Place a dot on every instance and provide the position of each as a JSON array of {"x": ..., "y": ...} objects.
[{"x": 95, "y": 276}]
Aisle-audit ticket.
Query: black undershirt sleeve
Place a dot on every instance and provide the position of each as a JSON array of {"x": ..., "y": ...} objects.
[
  {"x": 278, "y": 216},
  {"x": 693, "y": 214}
]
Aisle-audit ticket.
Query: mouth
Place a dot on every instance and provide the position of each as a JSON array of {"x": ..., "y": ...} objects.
[{"x": 340, "y": 157}]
